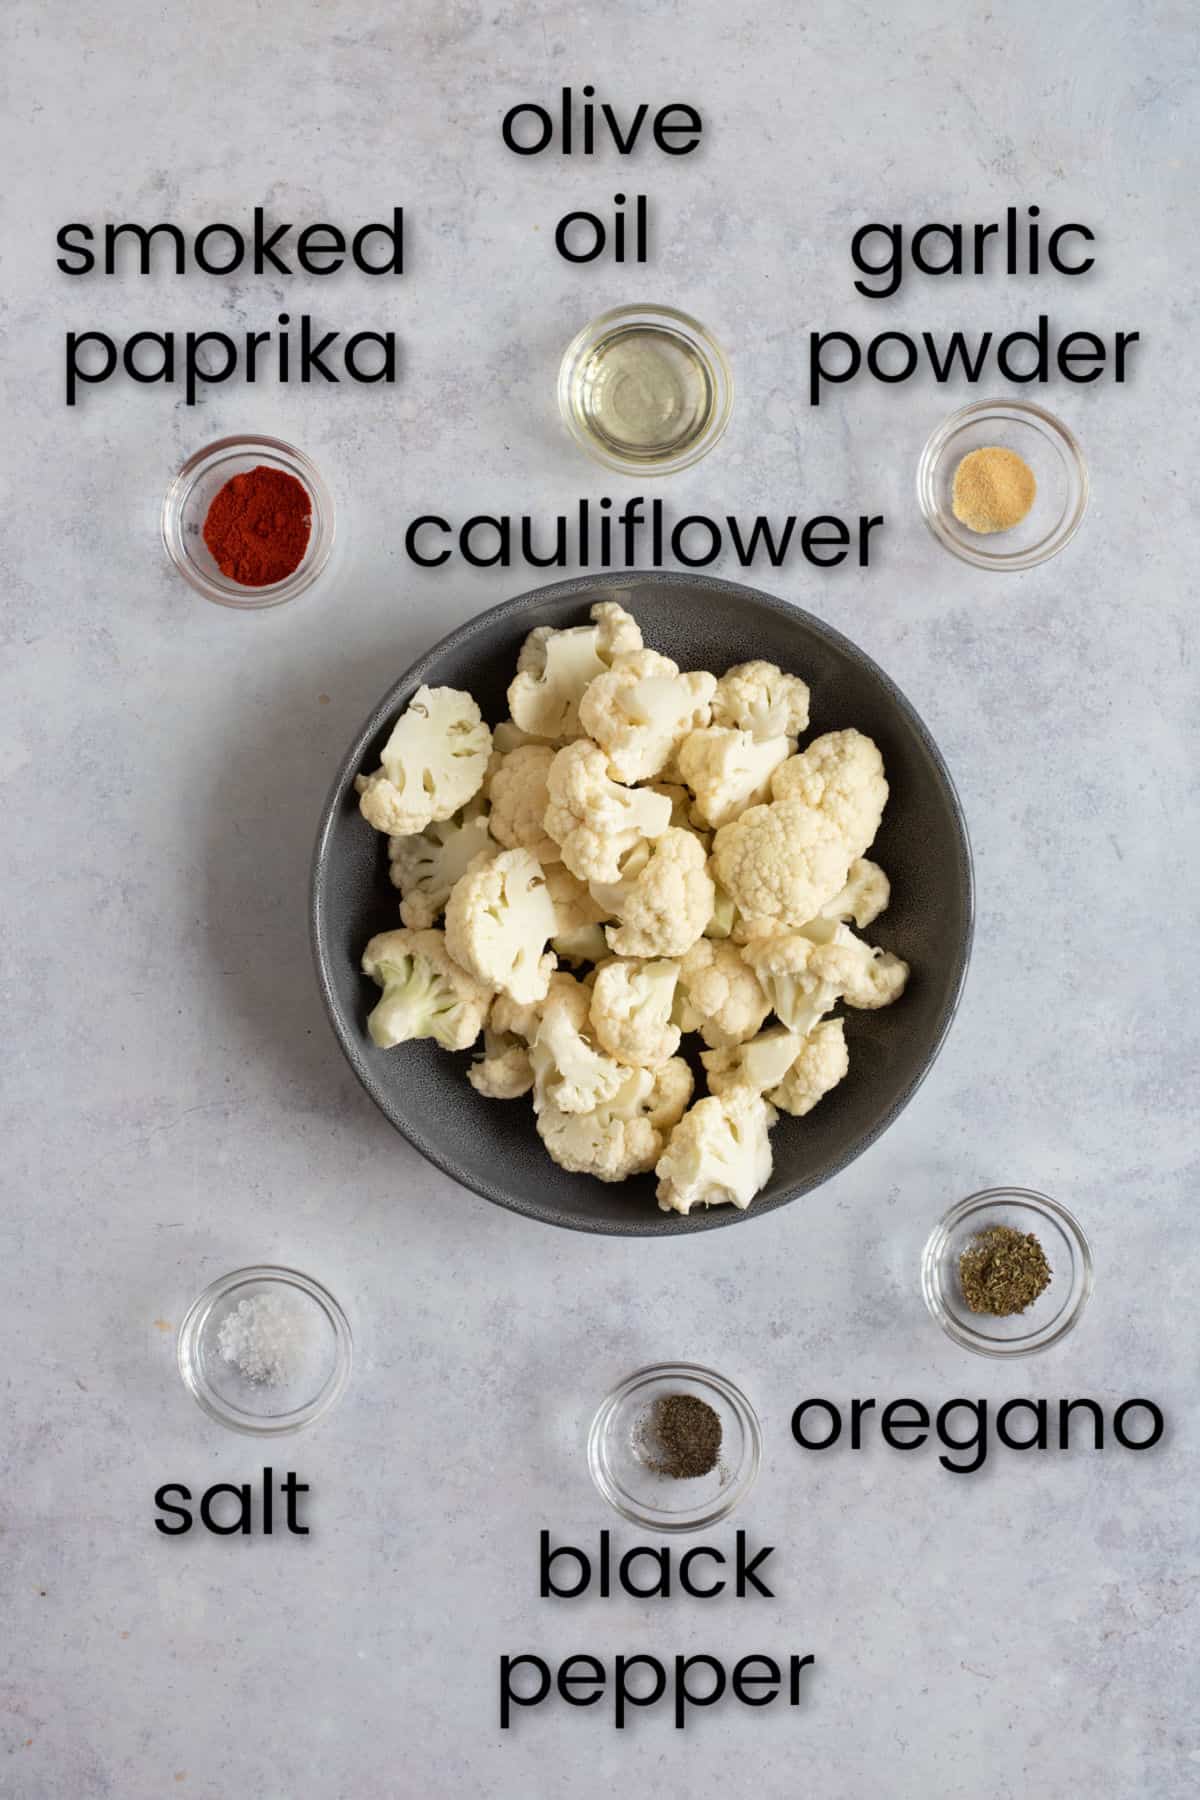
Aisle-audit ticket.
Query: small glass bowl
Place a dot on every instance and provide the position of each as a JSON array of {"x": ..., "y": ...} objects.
[
  {"x": 191, "y": 493},
  {"x": 620, "y": 1467},
  {"x": 1058, "y": 467},
  {"x": 1052, "y": 1314},
  {"x": 254, "y": 1406},
  {"x": 686, "y": 343}
]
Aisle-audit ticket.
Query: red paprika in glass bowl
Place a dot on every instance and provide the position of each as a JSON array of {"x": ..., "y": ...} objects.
[{"x": 247, "y": 545}]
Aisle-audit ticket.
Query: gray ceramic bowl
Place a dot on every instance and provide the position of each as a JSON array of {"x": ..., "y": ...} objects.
[{"x": 491, "y": 1146}]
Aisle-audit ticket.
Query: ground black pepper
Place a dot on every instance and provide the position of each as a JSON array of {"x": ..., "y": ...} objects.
[{"x": 682, "y": 1436}]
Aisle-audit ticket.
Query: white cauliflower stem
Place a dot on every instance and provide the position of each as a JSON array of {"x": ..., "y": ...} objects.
[
  {"x": 631, "y": 1011},
  {"x": 426, "y": 866},
  {"x": 578, "y": 917},
  {"x": 595, "y": 820},
  {"x": 794, "y": 1072},
  {"x": 499, "y": 920},
  {"x": 719, "y": 1152},
  {"x": 639, "y": 709},
  {"x": 555, "y": 667},
  {"x": 434, "y": 762},
  {"x": 425, "y": 993}
]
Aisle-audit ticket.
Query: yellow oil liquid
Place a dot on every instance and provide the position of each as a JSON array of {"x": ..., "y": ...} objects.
[{"x": 644, "y": 393}]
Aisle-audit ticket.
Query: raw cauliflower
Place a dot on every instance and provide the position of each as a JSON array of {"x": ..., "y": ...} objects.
[
  {"x": 720, "y": 995},
  {"x": 669, "y": 903},
  {"x": 499, "y": 920},
  {"x": 638, "y": 710},
  {"x": 781, "y": 862},
  {"x": 823, "y": 1062},
  {"x": 578, "y": 917},
  {"x": 504, "y": 1071},
  {"x": 517, "y": 791},
  {"x": 555, "y": 667},
  {"x": 661, "y": 833},
  {"x": 592, "y": 818},
  {"x": 758, "y": 697},
  {"x": 841, "y": 776},
  {"x": 794, "y": 1071},
  {"x": 865, "y": 895},
  {"x": 425, "y": 993},
  {"x": 434, "y": 762},
  {"x": 805, "y": 977},
  {"x": 631, "y": 1011},
  {"x": 569, "y": 1073},
  {"x": 719, "y": 1152},
  {"x": 426, "y": 866},
  {"x": 623, "y": 1136},
  {"x": 729, "y": 770}
]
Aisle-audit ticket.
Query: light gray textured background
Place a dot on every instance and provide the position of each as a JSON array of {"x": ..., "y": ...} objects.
[{"x": 174, "y": 1104}]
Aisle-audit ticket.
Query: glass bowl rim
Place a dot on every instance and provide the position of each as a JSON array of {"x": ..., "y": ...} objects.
[
  {"x": 1051, "y": 427},
  {"x": 729, "y": 1498},
  {"x": 221, "y": 1410},
  {"x": 685, "y": 325},
  {"x": 229, "y": 593},
  {"x": 1038, "y": 1204}
]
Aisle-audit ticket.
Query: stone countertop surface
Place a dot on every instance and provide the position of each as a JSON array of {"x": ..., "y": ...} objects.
[{"x": 174, "y": 1104}]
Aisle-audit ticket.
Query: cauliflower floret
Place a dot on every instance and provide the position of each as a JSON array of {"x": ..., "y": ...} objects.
[
  {"x": 638, "y": 710},
  {"x": 554, "y": 668},
  {"x": 793, "y": 1071},
  {"x": 669, "y": 903},
  {"x": 426, "y": 866},
  {"x": 806, "y": 977},
  {"x": 511, "y": 1018},
  {"x": 504, "y": 1071},
  {"x": 864, "y": 897},
  {"x": 865, "y": 977},
  {"x": 781, "y": 862},
  {"x": 721, "y": 997},
  {"x": 841, "y": 776},
  {"x": 631, "y": 1011},
  {"x": 434, "y": 762},
  {"x": 499, "y": 920},
  {"x": 425, "y": 993},
  {"x": 517, "y": 790},
  {"x": 758, "y": 697},
  {"x": 577, "y": 916},
  {"x": 799, "y": 993},
  {"x": 594, "y": 820},
  {"x": 625, "y": 1135},
  {"x": 823, "y": 1061},
  {"x": 759, "y": 1064},
  {"x": 568, "y": 1074},
  {"x": 719, "y": 1152},
  {"x": 729, "y": 770}
]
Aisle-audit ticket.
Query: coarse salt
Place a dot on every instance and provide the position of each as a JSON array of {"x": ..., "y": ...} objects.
[{"x": 268, "y": 1337}]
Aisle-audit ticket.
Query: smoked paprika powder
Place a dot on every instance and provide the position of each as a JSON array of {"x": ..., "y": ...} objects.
[{"x": 258, "y": 525}]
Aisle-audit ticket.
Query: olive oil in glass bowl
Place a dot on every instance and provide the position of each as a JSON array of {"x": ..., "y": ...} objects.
[{"x": 645, "y": 389}]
